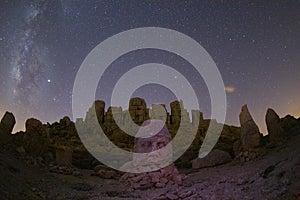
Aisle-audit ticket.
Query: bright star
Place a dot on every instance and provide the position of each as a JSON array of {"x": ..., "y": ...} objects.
[{"x": 49, "y": 81}]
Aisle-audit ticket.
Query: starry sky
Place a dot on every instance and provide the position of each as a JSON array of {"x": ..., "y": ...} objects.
[{"x": 255, "y": 44}]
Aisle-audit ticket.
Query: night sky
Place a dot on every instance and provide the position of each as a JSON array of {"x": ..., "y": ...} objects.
[{"x": 255, "y": 45}]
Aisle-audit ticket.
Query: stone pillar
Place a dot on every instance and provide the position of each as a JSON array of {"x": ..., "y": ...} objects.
[
  {"x": 167, "y": 175},
  {"x": 175, "y": 112},
  {"x": 35, "y": 141},
  {"x": 138, "y": 110},
  {"x": 97, "y": 110},
  {"x": 178, "y": 113},
  {"x": 250, "y": 135},
  {"x": 274, "y": 127},
  {"x": 197, "y": 117},
  {"x": 118, "y": 115},
  {"x": 8, "y": 121}
]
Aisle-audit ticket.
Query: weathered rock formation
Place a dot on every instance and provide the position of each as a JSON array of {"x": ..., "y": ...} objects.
[
  {"x": 178, "y": 113},
  {"x": 139, "y": 112},
  {"x": 290, "y": 125},
  {"x": 275, "y": 130},
  {"x": 63, "y": 135},
  {"x": 35, "y": 138},
  {"x": 6, "y": 126},
  {"x": 8, "y": 122},
  {"x": 250, "y": 135},
  {"x": 154, "y": 160},
  {"x": 39, "y": 139}
]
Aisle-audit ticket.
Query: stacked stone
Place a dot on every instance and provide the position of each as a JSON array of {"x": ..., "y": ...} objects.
[
  {"x": 138, "y": 110},
  {"x": 159, "y": 155},
  {"x": 168, "y": 176}
]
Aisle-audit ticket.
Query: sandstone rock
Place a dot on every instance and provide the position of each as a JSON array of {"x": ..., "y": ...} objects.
[
  {"x": 6, "y": 126},
  {"x": 155, "y": 141},
  {"x": 8, "y": 121},
  {"x": 275, "y": 130},
  {"x": 290, "y": 125},
  {"x": 99, "y": 108},
  {"x": 179, "y": 115},
  {"x": 151, "y": 144},
  {"x": 138, "y": 110},
  {"x": 197, "y": 117},
  {"x": 96, "y": 111},
  {"x": 250, "y": 135},
  {"x": 215, "y": 157},
  {"x": 35, "y": 138}
]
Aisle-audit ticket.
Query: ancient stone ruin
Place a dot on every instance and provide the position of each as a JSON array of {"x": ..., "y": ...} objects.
[
  {"x": 158, "y": 155},
  {"x": 6, "y": 126},
  {"x": 248, "y": 147},
  {"x": 275, "y": 130},
  {"x": 250, "y": 134}
]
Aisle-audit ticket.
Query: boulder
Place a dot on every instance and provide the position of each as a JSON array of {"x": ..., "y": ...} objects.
[
  {"x": 290, "y": 125},
  {"x": 214, "y": 158},
  {"x": 138, "y": 110},
  {"x": 275, "y": 130},
  {"x": 6, "y": 126},
  {"x": 35, "y": 141},
  {"x": 250, "y": 135},
  {"x": 8, "y": 122}
]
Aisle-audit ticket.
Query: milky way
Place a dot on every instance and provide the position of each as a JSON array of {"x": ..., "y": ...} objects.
[
  {"x": 27, "y": 63},
  {"x": 255, "y": 45}
]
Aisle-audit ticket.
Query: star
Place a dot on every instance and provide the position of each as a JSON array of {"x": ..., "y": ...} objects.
[{"x": 49, "y": 81}]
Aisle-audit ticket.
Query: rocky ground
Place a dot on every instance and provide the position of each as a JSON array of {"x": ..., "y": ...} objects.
[{"x": 276, "y": 175}]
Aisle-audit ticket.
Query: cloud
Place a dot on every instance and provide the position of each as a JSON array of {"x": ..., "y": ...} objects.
[{"x": 229, "y": 89}]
